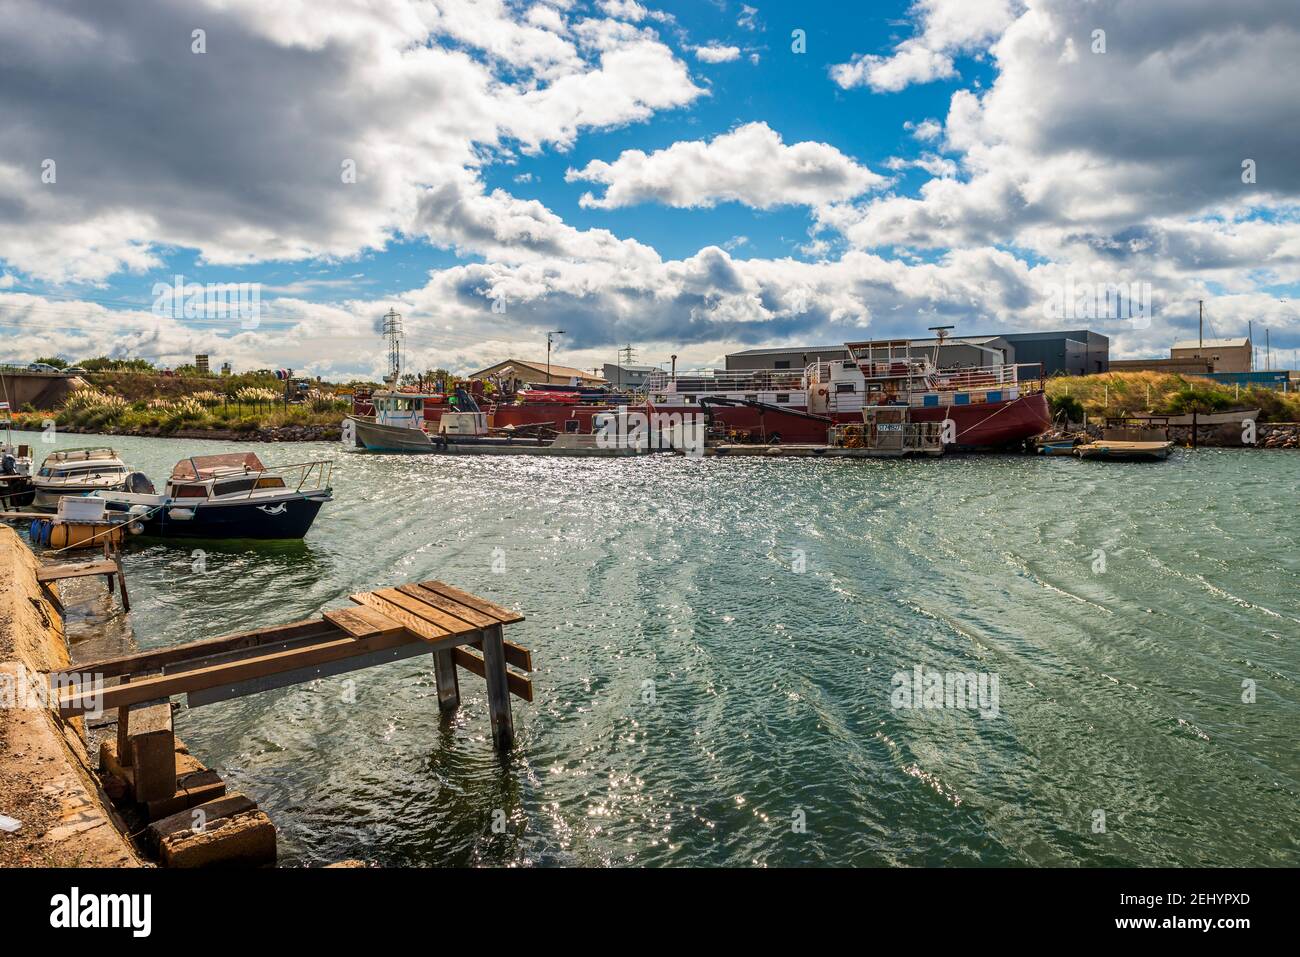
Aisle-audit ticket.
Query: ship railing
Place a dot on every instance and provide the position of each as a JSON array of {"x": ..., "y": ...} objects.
[
  {"x": 315, "y": 476},
  {"x": 710, "y": 381}
]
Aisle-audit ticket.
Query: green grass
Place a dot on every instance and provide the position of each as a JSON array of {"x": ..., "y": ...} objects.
[{"x": 1120, "y": 393}]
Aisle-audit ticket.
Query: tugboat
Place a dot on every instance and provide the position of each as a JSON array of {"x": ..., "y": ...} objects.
[
  {"x": 228, "y": 496},
  {"x": 78, "y": 472}
]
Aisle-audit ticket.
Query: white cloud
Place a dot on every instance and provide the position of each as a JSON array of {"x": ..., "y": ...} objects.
[
  {"x": 946, "y": 28},
  {"x": 926, "y": 130},
  {"x": 631, "y": 10},
  {"x": 713, "y": 52},
  {"x": 748, "y": 165},
  {"x": 243, "y": 176}
]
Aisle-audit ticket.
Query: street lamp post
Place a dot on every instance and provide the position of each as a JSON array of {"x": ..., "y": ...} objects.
[{"x": 549, "y": 335}]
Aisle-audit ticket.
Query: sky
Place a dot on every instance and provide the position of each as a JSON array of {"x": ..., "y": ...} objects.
[{"x": 690, "y": 179}]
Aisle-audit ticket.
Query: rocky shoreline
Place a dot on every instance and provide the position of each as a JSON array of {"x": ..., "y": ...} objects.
[{"x": 285, "y": 433}]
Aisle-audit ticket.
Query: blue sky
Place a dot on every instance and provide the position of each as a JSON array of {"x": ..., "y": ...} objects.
[{"x": 1047, "y": 161}]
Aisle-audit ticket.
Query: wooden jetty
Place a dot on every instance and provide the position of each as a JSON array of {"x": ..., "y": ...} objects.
[
  {"x": 110, "y": 568},
  {"x": 390, "y": 624}
]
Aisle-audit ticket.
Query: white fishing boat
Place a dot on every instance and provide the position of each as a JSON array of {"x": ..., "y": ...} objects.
[{"x": 77, "y": 472}]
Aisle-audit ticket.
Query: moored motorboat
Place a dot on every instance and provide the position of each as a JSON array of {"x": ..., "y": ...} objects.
[
  {"x": 77, "y": 472},
  {"x": 16, "y": 488},
  {"x": 231, "y": 496}
]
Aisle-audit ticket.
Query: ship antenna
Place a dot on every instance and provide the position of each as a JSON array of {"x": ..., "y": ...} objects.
[{"x": 941, "y": 333}]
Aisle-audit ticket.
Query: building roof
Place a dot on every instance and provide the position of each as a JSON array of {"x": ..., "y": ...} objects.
[
  {"x": 556, "y": 370},
  {"x": 1239, "y": 342},
  {"x": 783, "y": 351},
  {"x": 611, "y": 365}
]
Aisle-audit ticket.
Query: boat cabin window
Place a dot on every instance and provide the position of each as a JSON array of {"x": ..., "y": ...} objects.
[
  {"x": 781, "y": 364},
  {"x": 844, "y": 387},
  {"x": 751, "y": 397},
  {"x": 190, "y": 491},
  {"x": 234, "y": 485},
  {"x": 270, "y": 481},
  {"x": 783, "y": 397}
]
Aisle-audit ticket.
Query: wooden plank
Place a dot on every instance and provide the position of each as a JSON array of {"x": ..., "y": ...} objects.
[
  {"x": 313, "y": 629},
  {"x": 414, "y": 623},
  {"x": 453, "y": 608},
  {"x": 515, "y": 655},
  {"x": 444, "y": 674},
  {"x": 121, "y": 584},
  {"x": 498, "y": 690},
  {"x": 55, "y": 573},
  {"x": 503, "y": 615},
  {"x": 75, "y": 701},
  {"x": 520, "y": 686},
  {"x": 153, "y": 752},
  {"x": 416, "y": 606},
  {"x": 200, "y": 816},
  {"x": 362, "y": 621},
  {"x": 283, "y": 679}
]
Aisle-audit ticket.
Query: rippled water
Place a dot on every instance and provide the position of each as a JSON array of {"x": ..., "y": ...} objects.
[{"x": 696, "y": 692}]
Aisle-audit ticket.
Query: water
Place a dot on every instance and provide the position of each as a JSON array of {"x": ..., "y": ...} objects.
[{"x": 696, "y": 693}]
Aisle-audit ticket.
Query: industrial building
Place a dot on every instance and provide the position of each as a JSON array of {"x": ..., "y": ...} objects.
[
  {"x": 1224, "y": 355},
  {"x": 627, "y": 377},
  {"x": 1074, "y": 352}
]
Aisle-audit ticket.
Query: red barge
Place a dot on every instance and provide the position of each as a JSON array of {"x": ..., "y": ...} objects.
[{"x": 983, "y": 408}]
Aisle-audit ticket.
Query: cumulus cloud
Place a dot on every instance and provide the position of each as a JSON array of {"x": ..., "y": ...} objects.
[
  {"x": 750, "y": 165},
  {"x": 945, "y": 28},
  {"x": 378, "y": 100},
  {"x": 1092, "y": 152},
  {"x": 714, "y": 52}
]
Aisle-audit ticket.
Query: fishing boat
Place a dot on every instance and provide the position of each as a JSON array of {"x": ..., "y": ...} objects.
[
  {"x": 1055, "y": 447},
  {"x": 987, "y": 407},
  {"x": 231, "y": 496},
  {"x": 77, "y": 472},
  {"x": 399, "y": 425}
]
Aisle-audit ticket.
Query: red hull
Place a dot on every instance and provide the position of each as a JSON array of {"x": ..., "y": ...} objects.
[
  {"x": 983, "y": 426},
  {"x": 556, "y": 415}
]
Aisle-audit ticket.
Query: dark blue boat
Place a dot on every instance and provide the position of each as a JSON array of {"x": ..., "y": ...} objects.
[{"x": 228, "y": 496}]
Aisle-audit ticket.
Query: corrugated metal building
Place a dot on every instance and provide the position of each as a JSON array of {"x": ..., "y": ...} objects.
[{"x": 959, "y": 352}]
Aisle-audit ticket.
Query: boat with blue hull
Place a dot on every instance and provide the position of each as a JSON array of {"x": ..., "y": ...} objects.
[{"x": 228, "y": 497}]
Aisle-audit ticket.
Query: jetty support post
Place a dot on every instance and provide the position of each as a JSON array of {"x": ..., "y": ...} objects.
[
  {"x": 498, "y": 689},
  {"x": 444, "y": 672}
]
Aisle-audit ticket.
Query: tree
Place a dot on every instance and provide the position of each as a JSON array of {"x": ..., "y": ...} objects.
[{"x": 54, "y": 361}]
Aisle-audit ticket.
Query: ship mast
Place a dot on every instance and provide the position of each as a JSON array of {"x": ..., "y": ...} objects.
[{"x": 941, "y": 333}]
